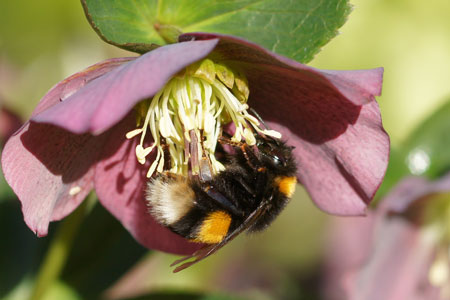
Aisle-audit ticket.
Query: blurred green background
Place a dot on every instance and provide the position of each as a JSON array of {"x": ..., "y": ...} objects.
[{"x": 42, "y": 42}]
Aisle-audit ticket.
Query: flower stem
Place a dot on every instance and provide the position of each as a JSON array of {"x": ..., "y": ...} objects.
[{"x": 59, "y": 250}]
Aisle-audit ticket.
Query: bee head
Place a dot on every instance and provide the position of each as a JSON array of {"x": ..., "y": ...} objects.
[{"x": 276, "y": 155}]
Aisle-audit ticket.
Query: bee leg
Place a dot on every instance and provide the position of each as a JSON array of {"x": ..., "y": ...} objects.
[
  {"x": 240, "y": 181},
  {"x": 170, "y": 175},
  {"x": 260, "y": 181},
  {"x": 242, "y": 146},
  {"x": 258, "y": 117},
  {"x": 167, "y": 156},
  {"x": 247, "y": 157},
  {"x": 228, "y": 141}
]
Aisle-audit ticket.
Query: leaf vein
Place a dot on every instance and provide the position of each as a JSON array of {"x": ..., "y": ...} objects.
[{"x": 224, "y": 14}]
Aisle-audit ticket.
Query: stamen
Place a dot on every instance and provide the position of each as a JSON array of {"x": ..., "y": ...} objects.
[
  {"x": 133, "y": 133},
  {"x": 249, "y": 136},
  {"x": 141, "y": 153},
  {"x": 189, "y": 113}
]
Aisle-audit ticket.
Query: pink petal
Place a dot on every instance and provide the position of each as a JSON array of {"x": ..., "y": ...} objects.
[
  {"x": 62, "y": 90},
  {"x": 348, "y": 245},
  {"x": 120, "y": 185},
  {"x": 106, "y": 100},
  {"x": 329, "y": 116},
  {"x": 46, "y": 165},
  {"x": 359, "y": 86},
  {"x": 397, "y": 267},
  {"x": 378, "y": 257},
  {"x": 50, "y": 170},
  {"x": 409, "y": 190},
  {"x": 394, "y": 253}
]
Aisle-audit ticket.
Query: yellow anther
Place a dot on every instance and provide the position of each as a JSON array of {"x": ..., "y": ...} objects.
[{"x": 225, "y": 75}]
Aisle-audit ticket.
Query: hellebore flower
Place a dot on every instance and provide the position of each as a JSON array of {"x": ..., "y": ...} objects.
[
  {"x": 83, "y": 134},
  {"x": 400, "y": 251}
]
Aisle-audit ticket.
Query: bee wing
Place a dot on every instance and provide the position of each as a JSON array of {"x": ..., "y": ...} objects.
[{"x": 207, "y": 250}]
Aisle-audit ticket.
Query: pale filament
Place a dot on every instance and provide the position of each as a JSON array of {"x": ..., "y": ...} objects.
[{"x": 186, "y": 105}]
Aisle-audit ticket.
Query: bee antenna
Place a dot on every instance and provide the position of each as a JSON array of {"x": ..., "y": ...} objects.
[{"x": 259, "y": 118}]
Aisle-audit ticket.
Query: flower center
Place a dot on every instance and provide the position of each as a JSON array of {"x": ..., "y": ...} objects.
[{"x": 186, "y": 119}]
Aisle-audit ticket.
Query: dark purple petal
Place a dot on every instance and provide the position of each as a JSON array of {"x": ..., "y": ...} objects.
[
  {"x": 343, "y": 174},
  {"x": 50, "y": 170},
  {"x": 105, "y": 101},
  {"x": 329, "y": 116},
  {"x": 358, "y": 87},
  {"x": 120, "y": 183}
]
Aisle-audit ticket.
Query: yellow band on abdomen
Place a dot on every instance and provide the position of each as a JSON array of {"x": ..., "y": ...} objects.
[
  {"x": 286, "y": 185},
  {"x": 214, "y": 228}
]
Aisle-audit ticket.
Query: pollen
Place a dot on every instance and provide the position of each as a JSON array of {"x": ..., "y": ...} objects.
[
  {"x": 74, "y": 190},
  {"x": 186, "y": 117},
  {"x": 214, "y": 228},
  {"x": 286, "y": 185}
]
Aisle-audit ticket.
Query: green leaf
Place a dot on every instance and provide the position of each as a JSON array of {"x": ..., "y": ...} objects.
[
  {"x": 294, "y": 28},
  {"x": 5, "y": 191},
  {"x": 60, "y": 290},
  {"x": 183, "y": 295},
  {"x": 103, "y": 251},
  {"x": 20, "y": 248},
  {"x": 428, "y": 147}
]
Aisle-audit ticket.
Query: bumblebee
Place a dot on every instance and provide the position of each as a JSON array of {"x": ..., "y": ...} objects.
[{"x": 247, "y": 195}]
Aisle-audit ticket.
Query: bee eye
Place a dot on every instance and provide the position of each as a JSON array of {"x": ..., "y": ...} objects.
[{"x": 276, "y": 160}]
